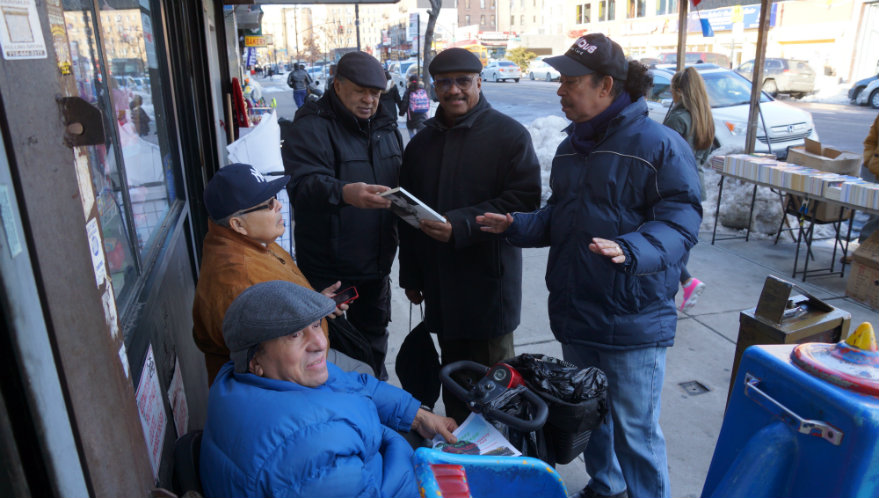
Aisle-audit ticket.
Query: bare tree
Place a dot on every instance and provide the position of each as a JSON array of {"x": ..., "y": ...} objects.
[{"x": 432, "y": 15}]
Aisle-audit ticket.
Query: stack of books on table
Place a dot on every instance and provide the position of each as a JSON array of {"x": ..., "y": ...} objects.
[{"x": 831, "y": 186}]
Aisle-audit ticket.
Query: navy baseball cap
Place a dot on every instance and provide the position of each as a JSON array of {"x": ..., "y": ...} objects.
[
  {"x": 593, "y": 53},
  {"x": 237, "y": 187}
]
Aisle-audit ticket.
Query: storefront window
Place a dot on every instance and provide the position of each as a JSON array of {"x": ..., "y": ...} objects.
[{"x": 116, "y": 69}]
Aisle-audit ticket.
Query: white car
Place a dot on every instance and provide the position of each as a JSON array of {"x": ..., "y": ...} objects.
[
  {"x": 869, "y": 95},
  {"x": 730, "y": 95},
  {"x": 539, "y": 70},
  {"x": 399, "y": 71},
  {"x": 501, "y": 71}
]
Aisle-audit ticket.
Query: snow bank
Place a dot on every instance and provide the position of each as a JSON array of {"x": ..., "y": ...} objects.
[
  {"x": 546, "y": 135},
  {"x": 828, "y": 90}
]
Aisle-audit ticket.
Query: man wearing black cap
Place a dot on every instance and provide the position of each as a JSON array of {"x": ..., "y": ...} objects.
[
  {"x": 468, "y": 159},
  {"x": 625, "y": 209},
  {"x": 341, "y": 154}
]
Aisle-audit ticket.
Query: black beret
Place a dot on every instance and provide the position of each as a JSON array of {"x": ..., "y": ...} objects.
[
  {"x": 455, "y": 60},
  {"x": 362, "y": 69}
]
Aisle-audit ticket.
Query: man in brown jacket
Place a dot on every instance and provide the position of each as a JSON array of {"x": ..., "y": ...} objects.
[
  {"x": 870, "y": 172},
  {"x": 240, "y": 251}
]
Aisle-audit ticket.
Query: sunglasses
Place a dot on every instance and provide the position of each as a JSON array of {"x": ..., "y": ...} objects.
[
  {"x": 270, "y": 205},
  {"x": 462, "y": 82}
]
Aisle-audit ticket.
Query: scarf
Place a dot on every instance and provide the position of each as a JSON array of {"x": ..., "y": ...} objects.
[{"x": 586, "y": 135}]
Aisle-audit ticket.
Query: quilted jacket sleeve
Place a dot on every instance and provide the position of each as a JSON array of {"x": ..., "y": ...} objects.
[{"x": 675, "y": 213}]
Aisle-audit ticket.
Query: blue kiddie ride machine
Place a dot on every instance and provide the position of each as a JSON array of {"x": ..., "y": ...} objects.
[{"x": 802, "y": 421}]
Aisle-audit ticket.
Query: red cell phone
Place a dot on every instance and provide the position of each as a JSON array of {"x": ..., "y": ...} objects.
[{"x": 345, "y": 296}]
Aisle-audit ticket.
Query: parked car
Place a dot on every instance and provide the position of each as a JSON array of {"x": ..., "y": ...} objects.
[
  {"x": 865, "y": 91},
  {"x": 539, "y": 70},
  {"x": 398, "y": 70},
  {"x": 730, "y": 95},
  {"x": 695, "y": 57},
  {"x": 501, "y": 70},
  {"x": 783, "y": 76}
]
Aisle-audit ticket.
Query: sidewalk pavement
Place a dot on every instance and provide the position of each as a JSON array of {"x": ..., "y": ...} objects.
[{"x": 734, "y": 271}]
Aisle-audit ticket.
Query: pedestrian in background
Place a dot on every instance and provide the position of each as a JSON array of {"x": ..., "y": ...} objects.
[
  {"x": 416, "y": 106},
  {"x": 299, "y": 80},
  {"x": 624, "y": 210},
  {"x": 690, "y": 115},
  {"x": 390, "y": 101},
  {"x": 468, "y": 159}
]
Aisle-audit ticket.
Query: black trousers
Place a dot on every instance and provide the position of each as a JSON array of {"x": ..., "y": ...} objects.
[{"x": 370, "y": 312}]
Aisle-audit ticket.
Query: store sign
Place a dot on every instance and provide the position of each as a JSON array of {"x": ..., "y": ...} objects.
[
  {"x": 21, "y": 35},
  {"x": 254, "y": 41},
  {"x": 724, "y": 19}
]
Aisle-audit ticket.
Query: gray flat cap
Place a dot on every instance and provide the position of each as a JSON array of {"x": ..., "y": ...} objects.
[{"x": 268, "y": 310}]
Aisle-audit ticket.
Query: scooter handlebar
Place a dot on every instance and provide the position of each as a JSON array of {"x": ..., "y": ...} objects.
[{"x": 536, "y": 422}]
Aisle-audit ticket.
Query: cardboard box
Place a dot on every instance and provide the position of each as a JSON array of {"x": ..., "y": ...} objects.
[
  {"x": 863, "y": 284},
  {"x": 829, "y": 159},
  {"x": 823, "y": 213},
  {"x": 868, "y": 252},
  {"x": 863, "y": 279}
]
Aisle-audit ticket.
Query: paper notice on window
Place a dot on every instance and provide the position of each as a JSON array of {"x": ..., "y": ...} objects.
[
  {"x": 177, "y": 398},
  {"x": 477, "y": 437},
  {"x": 96, "y": 248},
  {"x": 21, "y": 35},
  {"x": 152, "y": 410}
]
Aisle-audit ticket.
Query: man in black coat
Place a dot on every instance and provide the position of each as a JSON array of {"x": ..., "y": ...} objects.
[
  {"x": 467, "y": 159},
  {"x": 341, "y": 153}
]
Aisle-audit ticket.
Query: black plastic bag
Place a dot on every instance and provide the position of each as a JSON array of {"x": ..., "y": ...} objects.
[
  {"x": 560, "y": 378},
  {"x": 345, "y": 338},
  {"x": 418, "y": 366}
]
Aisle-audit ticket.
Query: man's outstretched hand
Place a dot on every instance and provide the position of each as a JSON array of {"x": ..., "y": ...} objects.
[
  {"x": 365, "y": 196},
  {"x": 494, "y": 223}
]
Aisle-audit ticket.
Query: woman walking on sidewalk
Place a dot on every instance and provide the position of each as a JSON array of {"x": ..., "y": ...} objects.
[{"x": 690, "y": 115}]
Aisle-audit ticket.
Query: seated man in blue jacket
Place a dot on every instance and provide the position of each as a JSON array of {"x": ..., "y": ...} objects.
[{"x": 284, "y": 422}]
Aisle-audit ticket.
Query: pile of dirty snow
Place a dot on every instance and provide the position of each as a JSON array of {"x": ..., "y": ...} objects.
[{"x": 546, "y": 135}]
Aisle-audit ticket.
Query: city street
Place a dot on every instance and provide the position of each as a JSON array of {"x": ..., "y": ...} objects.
[{"x": 842, "y": 126}]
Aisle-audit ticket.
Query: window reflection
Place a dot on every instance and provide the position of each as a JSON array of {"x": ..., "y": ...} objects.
[{"x": 115, "y": 66}]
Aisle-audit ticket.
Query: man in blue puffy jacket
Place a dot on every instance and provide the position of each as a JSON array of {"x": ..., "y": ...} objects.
[
  {"x": 624, "y": 211},
  {"x": 284, "y": 422}
]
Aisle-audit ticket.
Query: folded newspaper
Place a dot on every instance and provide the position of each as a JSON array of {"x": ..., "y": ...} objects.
[
  {"x": 476, "y": 436},
  {"x": 409, "y": 207}
]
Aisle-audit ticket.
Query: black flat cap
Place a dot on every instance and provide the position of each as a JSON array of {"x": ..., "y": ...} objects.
[
  {"x": 362, "y": 69},
  {"x": 455, "y": 60}
]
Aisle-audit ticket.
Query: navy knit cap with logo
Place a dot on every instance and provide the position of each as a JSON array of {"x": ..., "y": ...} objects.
[
  {"x": 237, "y": 187},
  {"x": 593, "y": 53}
]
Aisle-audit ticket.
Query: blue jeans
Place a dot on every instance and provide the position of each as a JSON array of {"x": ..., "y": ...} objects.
[
  {"x": 627, "y": 452},
  {"x": 299, "y": 97}
]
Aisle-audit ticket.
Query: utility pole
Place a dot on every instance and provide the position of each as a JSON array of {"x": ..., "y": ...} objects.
[
  {"x": 296, "y": 32},
  {"x": 357, "y": 23}
]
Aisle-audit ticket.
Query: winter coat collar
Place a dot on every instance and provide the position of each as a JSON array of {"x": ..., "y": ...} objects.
[
  {"x": 465, "y": 121},
  {"x": 630, "y": 114}
]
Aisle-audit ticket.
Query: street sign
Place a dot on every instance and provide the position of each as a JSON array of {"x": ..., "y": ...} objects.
[{"x": 254, "y": 41}]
